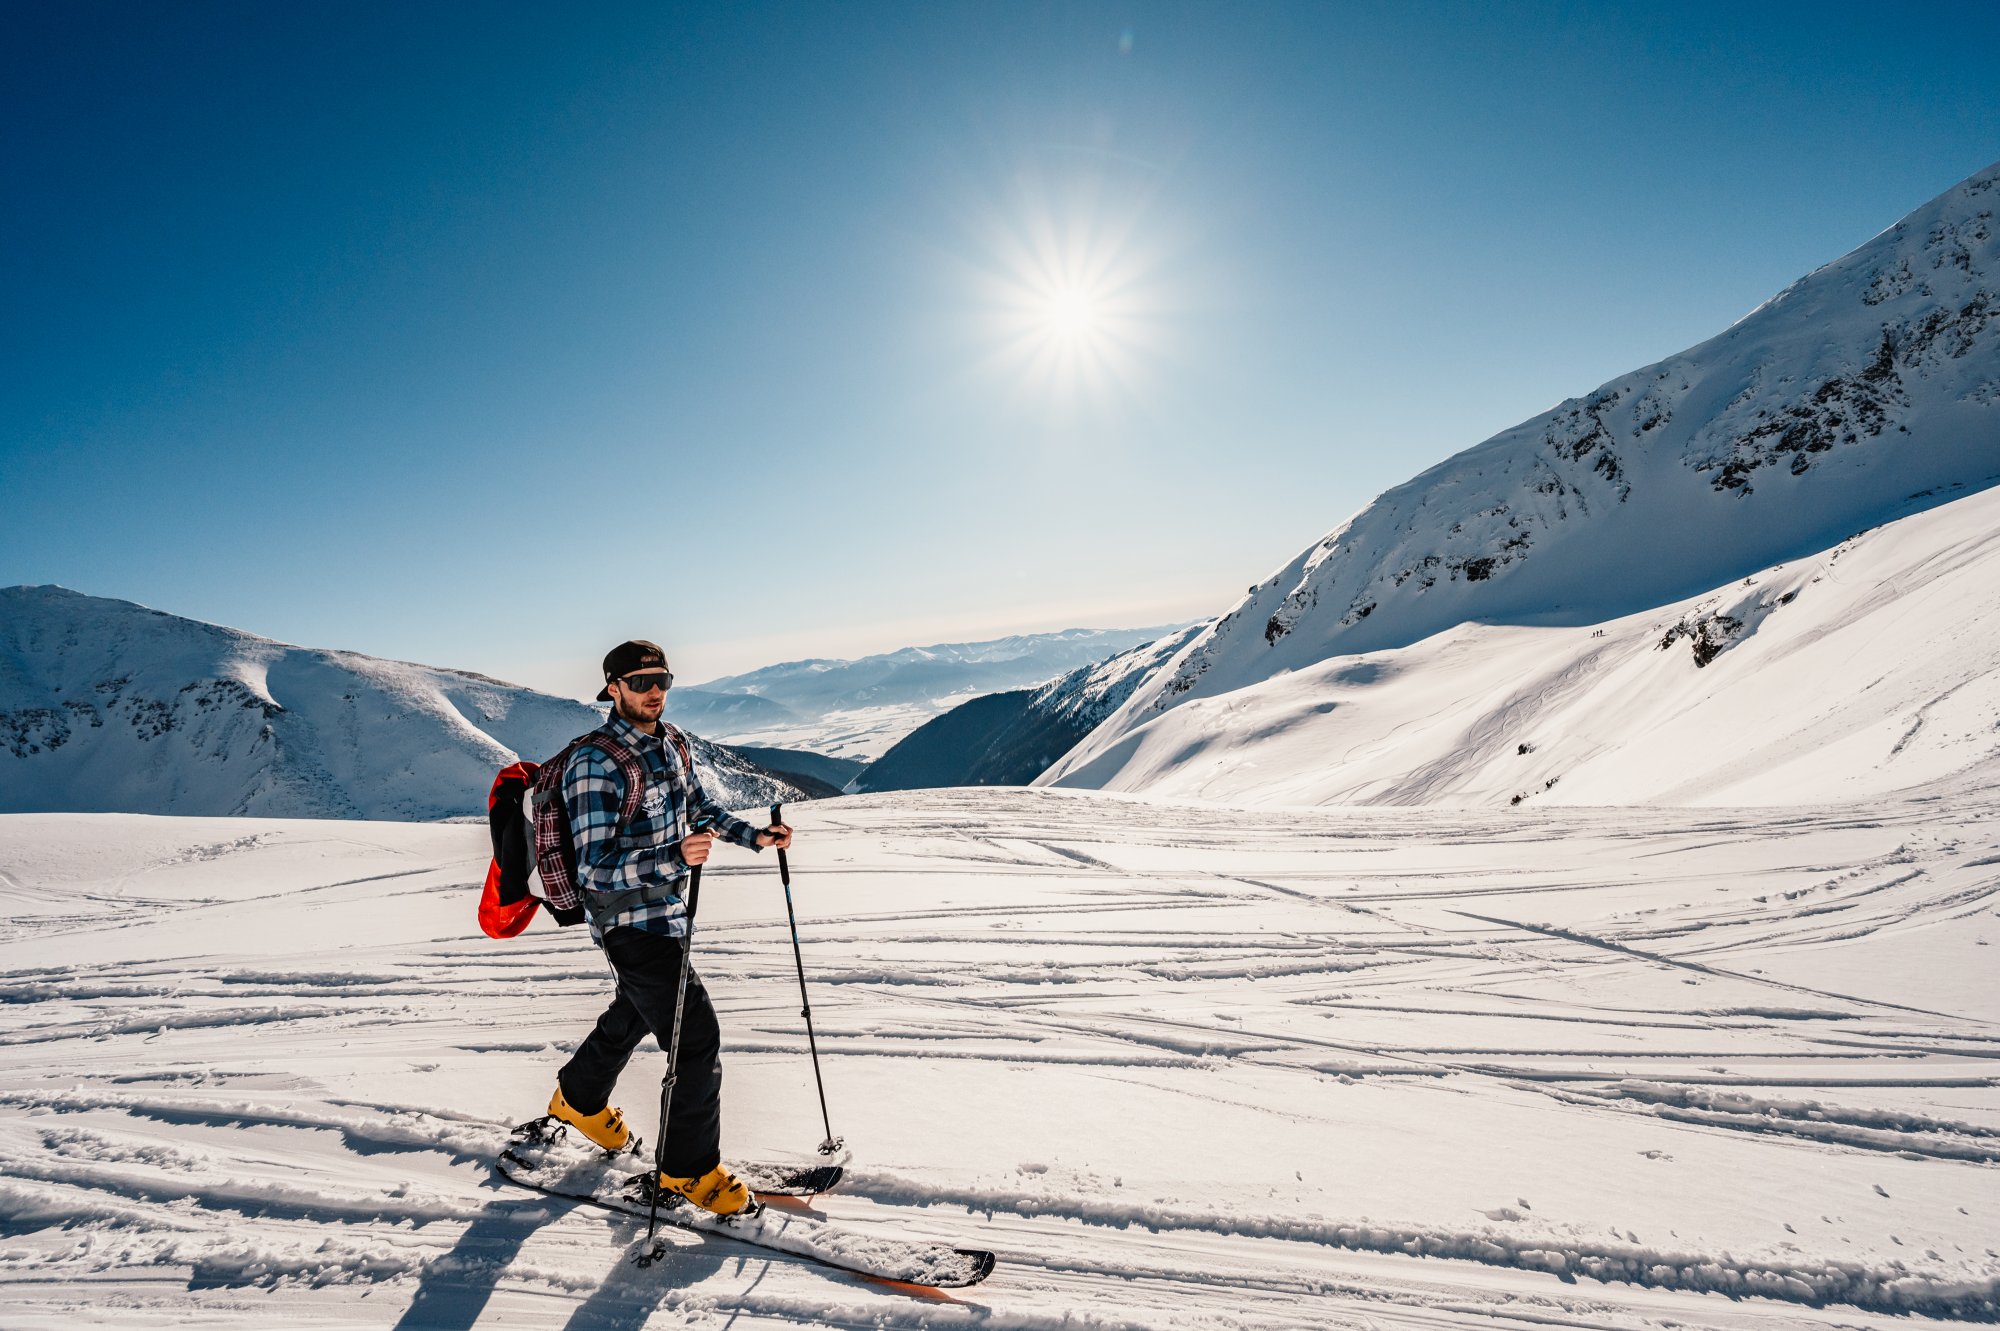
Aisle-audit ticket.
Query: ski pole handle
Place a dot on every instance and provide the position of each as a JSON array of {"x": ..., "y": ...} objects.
[
  {"x": 701, "y": 824},
  {"x": 784, "y": 865}
]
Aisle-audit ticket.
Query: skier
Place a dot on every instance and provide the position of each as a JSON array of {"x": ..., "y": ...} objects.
[{"x": 633, "y": 879}]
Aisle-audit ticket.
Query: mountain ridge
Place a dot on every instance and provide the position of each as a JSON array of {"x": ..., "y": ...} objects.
[{"x": 111, "y": 706}]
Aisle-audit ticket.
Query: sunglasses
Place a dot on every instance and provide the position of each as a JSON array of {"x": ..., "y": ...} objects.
[{"x": 646, "y": 683}]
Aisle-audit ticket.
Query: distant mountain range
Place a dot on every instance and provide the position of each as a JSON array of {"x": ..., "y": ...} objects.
[
  {"x": 858, "y": 709},
  {"x": 1009, "y": 739},
  {"x": 813, "y": 771},
  {"x": 107, "y": 706},
  {"x": 1688, "y": 502}
]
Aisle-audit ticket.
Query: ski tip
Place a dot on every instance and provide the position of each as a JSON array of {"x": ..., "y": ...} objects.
[
  {"x": 812, "y": 1182},
  {"x": 974, "y": 1266},
  {"x": 982, "y": 1262}
]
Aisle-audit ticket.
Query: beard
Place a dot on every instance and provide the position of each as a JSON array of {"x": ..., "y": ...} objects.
[{"x": 642, "y": 712}]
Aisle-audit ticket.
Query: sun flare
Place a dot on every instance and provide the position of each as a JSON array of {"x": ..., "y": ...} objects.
[{"x": 1071, "y": 299}]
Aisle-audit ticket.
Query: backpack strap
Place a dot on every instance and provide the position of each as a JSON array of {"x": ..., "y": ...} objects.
[
  {"x": 630, "y": 766},
  {"x": 680, "y": 743}
]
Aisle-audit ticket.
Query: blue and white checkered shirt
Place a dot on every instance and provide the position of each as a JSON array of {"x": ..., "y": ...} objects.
[{"x": 648, "y": 854}]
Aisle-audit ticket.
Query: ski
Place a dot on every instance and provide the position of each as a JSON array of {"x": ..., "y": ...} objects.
[
  {"x": 769, "y": 1178},
  {"x": 607, "y": 1183}
]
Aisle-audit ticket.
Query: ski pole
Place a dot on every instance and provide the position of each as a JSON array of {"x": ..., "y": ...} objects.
[
  {"x": 654, "y": 1252},
  {"x": 831, "y": 1143}
]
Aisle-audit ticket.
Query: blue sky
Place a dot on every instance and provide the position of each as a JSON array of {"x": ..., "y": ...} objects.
[{"x": 486, "y": 335}]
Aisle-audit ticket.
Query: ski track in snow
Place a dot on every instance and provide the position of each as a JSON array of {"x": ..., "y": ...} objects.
[{"x": 1179, "y": 1065}]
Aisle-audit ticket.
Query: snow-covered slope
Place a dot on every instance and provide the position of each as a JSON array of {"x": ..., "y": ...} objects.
[
  {"x": 109, "y": 706},
  {"x": 1185, "y": 1068},
  {"x": 1870, "y": 667},
  {"x": 1866, "y": 391},
  {"x": 859, "y": 709}
]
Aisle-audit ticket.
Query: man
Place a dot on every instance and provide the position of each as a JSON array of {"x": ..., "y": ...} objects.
[{"x": 632, "y": 878}]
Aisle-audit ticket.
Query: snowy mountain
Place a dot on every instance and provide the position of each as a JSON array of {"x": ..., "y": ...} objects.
[
  {"x": 1008, "y": 739},
  {"x": 106, "y": 706},
  {"x": 1867, "y": 391},
  {"x": 1865, "y": 669},
  {"x": 858, "y": 709}
]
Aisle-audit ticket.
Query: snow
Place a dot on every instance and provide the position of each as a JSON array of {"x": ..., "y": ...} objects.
[
  {"x": 1179, "y": 1064},
  {"x": 1860, "y": 670}
]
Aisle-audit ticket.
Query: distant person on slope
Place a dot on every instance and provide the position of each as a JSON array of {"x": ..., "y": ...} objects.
[{"x": 633, "y": 878}]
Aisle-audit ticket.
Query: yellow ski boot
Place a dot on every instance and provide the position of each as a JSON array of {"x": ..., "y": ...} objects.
[
  {"x": 606, "y": 1127},
  {"x": 718, "y": 1190}
]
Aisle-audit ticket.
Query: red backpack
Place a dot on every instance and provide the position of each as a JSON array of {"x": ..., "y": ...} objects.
[{"x": 534, "y": 855}]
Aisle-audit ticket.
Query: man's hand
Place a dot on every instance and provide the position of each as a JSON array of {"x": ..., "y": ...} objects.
[
  {"x": 777, "y": 834},
  {"x": 696, "y": 846}
]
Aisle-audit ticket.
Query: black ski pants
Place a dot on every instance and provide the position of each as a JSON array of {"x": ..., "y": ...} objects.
[{"x": 648, "y": 967}]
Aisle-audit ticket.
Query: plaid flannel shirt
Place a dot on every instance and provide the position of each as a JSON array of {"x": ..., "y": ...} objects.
[{"x": 648, "y": 854}]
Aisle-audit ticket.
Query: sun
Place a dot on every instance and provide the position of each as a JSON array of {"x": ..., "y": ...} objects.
[
  {"x": 1072, "y": 315},
  {"x": 1066, "y": 266}
]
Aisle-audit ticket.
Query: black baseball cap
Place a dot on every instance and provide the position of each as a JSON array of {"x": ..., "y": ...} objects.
[{"x": 626, "y": 657}]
